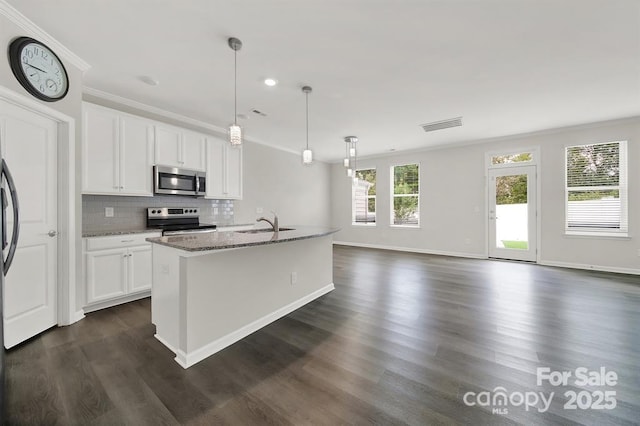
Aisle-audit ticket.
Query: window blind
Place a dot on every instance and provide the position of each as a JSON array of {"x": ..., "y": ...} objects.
[{"x": 596, "y": 188}]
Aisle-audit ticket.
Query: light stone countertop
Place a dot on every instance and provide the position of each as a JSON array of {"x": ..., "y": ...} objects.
[
  {"x": 110, "y": 232},
  {"x": 229, "y": 240},
  {"x": 107, "y": 233}
]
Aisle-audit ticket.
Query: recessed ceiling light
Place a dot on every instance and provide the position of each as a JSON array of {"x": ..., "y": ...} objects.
[{"x": 270, "y": 82}]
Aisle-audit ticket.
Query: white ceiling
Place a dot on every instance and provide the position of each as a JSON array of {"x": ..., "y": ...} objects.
[{"x": 378, "y": 69}]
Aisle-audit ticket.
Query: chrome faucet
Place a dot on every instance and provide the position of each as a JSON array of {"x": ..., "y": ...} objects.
[{"x": 273, "y": 224}]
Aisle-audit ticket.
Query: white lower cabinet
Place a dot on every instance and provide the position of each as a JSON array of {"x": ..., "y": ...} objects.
[{"x": 117, "y": 269}]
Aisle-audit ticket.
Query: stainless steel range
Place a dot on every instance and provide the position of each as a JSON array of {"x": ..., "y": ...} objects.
[{"x": 177, "y": 220}]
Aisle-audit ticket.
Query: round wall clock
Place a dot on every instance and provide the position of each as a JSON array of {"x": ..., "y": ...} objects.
[{"x": 38, "y": 69}]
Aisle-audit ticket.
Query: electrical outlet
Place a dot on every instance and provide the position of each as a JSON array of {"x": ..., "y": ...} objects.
[
  {"x": 638, "y": 252},
  {"x": 259, "y": 210},
  {"x": 164, "y": 269},
  {"x": 108, "y": 212},
  {"x": 215, "y": 210},
  {"x": 294, "y": 278}
]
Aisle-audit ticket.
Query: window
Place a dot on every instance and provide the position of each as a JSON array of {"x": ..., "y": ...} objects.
[
  {"x": 363, "y": 209},
  {"x": 523, "y": 157},
  {"x": 406, "y": 195},
  {"x": 596, "y": 189}
]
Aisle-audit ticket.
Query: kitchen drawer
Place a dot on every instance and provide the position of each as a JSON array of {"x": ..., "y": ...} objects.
[{"x": 119, "y": 241}]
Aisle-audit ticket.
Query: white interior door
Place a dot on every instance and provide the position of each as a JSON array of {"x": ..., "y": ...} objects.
[
  {"x": 28, "y": 143},
  {"x": 512, "y": 213}
]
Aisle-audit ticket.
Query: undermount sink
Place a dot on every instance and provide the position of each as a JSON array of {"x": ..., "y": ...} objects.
[{"x": 258, "y": 231}]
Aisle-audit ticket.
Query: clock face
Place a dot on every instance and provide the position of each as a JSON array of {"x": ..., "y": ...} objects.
[{"x": 38, "y": 69}]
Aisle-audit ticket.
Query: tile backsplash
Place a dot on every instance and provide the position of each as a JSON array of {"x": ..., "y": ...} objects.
[{"x": 131, "y": 212}]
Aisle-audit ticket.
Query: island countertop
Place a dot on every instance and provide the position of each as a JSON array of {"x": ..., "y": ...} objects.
[{"x": 230, "y": 240}]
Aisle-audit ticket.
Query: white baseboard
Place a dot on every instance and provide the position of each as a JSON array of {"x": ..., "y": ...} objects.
[
  {"x": 630, "y": 271},
  {"x": 114, "y": 302},
  {"x": 412, "y": 250},
  {"x": 77, "y": 316},
  {"x": 187, "y": 359},
  {"x": 164, "y": 342}
]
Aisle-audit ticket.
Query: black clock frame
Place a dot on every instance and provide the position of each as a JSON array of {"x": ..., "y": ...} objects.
[{"x": 15, "y": 48}]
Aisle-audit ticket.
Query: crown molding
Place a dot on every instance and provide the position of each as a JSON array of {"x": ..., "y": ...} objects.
[
  {"x": 514, "y": 137},
  {"x": 34, "y": 31},
  {"x": 150, "y": 109},
  {"x": 171, "y": 115}
]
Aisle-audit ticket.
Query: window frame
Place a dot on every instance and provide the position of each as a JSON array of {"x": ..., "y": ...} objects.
[
  {"x": 622, "y": 188},
  {"x": 353, "y": 201},
  {"x": 393, "y": 196},
  {"x": 533, "y": 150}
]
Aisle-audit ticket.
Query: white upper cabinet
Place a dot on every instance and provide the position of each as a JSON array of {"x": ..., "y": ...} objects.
[
  {"x": 224, "y": 170},
  {"x": 178, "y": 147},
  {"x": 100, "y": 150},
  {"x": 136, "y": 156},
  {"x": 234, "y": 172},
  {"x": 168, "y": 146},
  {"x": 117, "y": 153}
]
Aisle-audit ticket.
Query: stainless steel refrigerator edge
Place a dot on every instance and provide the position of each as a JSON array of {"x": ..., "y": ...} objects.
[{"x": 8, "y": 248}]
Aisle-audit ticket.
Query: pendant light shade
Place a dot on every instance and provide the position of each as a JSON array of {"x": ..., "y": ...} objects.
[
  {"x": 235, "y": 134},
  {"x": 350, "y": 158},
  {"x": 235, "y": 131},
  {"x": 307, "y": 154}
]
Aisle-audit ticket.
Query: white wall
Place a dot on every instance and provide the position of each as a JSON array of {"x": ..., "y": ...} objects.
[
  {"x": 455, "y": 178},
  {"x": 277, "y": 180}
]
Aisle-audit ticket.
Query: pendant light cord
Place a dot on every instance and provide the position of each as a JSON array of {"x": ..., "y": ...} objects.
[
  {"x": 307, "y": 119},
  {"x": 235, "y": 87}
]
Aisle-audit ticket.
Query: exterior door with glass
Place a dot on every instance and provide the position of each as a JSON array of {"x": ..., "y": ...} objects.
[{"x": 512, "y": 213}]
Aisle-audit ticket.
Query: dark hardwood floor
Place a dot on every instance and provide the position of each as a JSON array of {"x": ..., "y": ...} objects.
[{"x": 402, "y": 339}]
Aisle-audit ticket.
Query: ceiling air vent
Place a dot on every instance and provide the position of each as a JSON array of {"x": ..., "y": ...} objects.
[{"x": 443, "y": 124}]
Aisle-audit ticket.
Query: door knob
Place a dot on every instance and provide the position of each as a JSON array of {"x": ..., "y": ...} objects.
[{"x": 52, "y": 233}]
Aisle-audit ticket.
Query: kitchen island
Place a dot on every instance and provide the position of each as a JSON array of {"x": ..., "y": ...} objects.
[{"x": 211, "y": 290}]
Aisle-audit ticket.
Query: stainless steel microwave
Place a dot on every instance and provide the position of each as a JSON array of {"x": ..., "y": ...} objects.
[{"x": 175, "y": 181}]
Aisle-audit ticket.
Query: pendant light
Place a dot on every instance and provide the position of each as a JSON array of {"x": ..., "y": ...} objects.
[
  {"x": 351, "y": 154},
  {"x": 235, "y": 131},
  {"x": 307, "y": 154}
]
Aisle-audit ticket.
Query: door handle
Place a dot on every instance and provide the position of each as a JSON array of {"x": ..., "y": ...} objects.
[
  {"x": 16, "y": 216},
  {"x": 3, "y": 207},
  {"x": 52, "y": 233}
]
